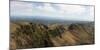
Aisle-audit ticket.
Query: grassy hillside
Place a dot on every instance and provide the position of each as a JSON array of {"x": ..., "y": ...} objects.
[{"x": 36, "y": 35}]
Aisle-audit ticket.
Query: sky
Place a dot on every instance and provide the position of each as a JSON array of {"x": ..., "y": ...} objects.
[
  {"x": 51, "y": 11},
  {"x": 85, "y": 2}
]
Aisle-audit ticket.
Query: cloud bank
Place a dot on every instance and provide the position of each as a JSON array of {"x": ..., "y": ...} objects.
[{"x": 52, "y": 11}]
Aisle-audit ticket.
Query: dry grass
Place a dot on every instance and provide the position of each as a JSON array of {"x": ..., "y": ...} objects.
[{"x": 35, "y": 35}]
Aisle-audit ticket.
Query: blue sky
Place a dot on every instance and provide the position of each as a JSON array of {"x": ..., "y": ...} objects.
[{"x": 52, "y": 11}]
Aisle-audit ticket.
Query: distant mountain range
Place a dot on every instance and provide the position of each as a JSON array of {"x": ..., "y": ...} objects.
[{"x": 45, "y": 20}]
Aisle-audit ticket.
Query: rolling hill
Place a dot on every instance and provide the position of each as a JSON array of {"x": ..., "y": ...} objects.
[{"x": 36, "y": 35}]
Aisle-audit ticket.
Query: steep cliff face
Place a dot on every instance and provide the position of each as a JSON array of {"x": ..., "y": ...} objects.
[{"x": 34, "y": 35}]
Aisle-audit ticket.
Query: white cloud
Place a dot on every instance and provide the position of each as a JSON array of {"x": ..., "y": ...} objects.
[
  {"x": 71, "y": 8},
  {"x": 46, "y": 7},
  {"x": 20, "y": 8},
  {"x": 90, "y": 16},
  {"x": 85, "y": 2},
  {"x": 64, "y": 12}
]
